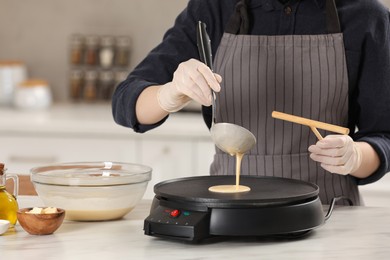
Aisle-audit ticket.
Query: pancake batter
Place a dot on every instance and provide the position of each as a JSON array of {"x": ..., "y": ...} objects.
[{"x": 232, "y": 188}]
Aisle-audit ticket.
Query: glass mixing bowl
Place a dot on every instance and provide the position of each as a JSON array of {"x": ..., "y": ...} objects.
[{"x": 91, "y": 191}]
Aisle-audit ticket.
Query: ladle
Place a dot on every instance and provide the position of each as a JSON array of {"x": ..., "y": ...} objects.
[{"x": 230, "y": 138}]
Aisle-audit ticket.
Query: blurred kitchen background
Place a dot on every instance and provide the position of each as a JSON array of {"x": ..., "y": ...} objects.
[
  {"x": 43, "y": 36},
  {"x": 39, "y": 32}
]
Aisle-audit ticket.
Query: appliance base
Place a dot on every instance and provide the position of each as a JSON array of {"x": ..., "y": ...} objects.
[{"x": 194, "y": 223}]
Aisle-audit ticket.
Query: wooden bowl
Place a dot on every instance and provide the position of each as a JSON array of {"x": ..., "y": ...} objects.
[{"x": 40, "y": 224}]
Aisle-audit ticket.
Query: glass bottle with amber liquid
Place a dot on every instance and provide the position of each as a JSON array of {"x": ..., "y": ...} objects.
[{"x": 8, "y": 203}]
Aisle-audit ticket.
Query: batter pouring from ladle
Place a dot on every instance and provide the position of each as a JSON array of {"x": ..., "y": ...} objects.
[{"x": 233, "y": 188}]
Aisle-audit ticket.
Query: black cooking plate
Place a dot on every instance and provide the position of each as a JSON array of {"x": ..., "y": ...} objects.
[
  {"x": 185, "y": 209},
  {"x": 265, "y": 191}
]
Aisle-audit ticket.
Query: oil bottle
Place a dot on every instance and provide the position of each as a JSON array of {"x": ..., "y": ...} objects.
[{"x": 8, "y": 203}]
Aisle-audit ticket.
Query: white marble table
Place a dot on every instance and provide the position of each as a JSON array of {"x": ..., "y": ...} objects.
[{"x": 350, "y": 233}]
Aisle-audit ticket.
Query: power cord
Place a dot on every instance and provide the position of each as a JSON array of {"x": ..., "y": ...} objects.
[{"x": 333, "y": 202}]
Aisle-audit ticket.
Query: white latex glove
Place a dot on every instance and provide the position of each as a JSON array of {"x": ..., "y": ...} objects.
[
  {"x": 337, "y": 154},
  {"x": 192, "y": 80}
]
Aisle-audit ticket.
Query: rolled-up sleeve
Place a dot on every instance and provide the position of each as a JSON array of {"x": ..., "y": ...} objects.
[
  {"x": 373, "y": 96},
  {"x": 178, "y": 45}
]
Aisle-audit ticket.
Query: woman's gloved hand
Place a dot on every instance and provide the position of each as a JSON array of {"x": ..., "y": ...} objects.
[
  {"x": 337, "y": 154},
  {"x": 191, "y": 80}
]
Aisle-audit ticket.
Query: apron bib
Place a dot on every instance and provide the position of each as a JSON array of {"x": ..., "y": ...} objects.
[{"x": 303, "y": 75}]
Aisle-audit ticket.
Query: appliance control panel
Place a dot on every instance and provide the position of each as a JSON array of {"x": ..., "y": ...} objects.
[{"x": 177, "y": 223}]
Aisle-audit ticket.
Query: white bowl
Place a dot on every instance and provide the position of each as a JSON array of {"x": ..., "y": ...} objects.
[
  {"x": 92, "y": 191},
  {"x": 4, "y": 225}
]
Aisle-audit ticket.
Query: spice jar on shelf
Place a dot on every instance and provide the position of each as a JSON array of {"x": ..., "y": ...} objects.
[
  {"x": 76, "y": 84},
  {"x": 106, "y": 52},
  {"x": 122, "y": 51},
  {"x": 76, "y": 49},
  {"x": 90, "y": 85},
  {"x": 106, "y": 85},
  {"x": 91, "y": 50}
]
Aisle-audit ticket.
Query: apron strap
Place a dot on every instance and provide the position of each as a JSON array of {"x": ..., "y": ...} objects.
[
  {"x": 239, "y": 21},
  {"x": 332, "y": 18}
]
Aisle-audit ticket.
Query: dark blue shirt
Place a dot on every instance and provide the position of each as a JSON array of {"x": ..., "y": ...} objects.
[{"x": 364, "y": 24}]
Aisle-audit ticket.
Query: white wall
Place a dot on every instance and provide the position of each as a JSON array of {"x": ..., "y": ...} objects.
[
  {"x": 386, "y": 2},
  {"x": 38, "y": 31}
]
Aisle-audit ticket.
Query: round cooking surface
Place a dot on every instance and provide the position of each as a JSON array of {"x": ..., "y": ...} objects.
[{"x": 265, "y": 191}]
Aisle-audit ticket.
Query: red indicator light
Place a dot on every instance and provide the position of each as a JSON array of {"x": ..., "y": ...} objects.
[{"x": 175, "y": 213}]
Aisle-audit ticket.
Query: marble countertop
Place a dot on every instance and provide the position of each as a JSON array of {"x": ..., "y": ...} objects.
[{"x": 350, "y": 233}]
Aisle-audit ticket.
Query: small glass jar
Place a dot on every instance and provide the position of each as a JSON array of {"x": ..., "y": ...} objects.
[
  {"x": 76, "y": 84},
  {"x": 106, "y": 85},
  {"x": 76, "y": 49},
  {"x": 91, "y": 50},
  {"x": 106, "y": 52},
  {"x": 122, "y": 54},
  {"x": 90, "y": 86}
]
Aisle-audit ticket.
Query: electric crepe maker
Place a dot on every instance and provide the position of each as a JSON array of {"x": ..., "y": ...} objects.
[{"x": 184, "y": 208}]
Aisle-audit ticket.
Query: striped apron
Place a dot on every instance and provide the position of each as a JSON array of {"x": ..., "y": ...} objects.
[{"x": 303, "y": 75}]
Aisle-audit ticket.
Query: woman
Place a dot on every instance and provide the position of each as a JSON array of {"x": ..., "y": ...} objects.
[{"x": 309, "y": 58}]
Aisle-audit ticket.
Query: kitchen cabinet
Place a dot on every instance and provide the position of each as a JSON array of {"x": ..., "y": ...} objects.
[
  {"x": 170, "y": 159},
  {"x": 24, "y": 152},
  {"x": 204, "y": 156},
  {"x": 377, "y": 194},
  {"x": 176, "y": 158},
  {"x": 181, "y": 147}
]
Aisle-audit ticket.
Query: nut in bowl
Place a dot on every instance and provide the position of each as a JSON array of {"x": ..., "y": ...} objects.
[
  {"x": 92, "y": 191},
  {"x": 41, "y": 222}
]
